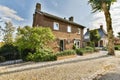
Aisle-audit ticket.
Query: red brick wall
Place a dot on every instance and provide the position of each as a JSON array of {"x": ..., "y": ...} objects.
[{"x": 40, "y": 20}]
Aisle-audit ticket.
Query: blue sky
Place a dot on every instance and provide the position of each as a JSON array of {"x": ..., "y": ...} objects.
[{"x": 20, "y": 12}]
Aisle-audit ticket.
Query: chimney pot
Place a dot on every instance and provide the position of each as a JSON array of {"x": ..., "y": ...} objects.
[
  {"x": 88, "y": 29},
  {"x": 101, "y": 26},
  {"x": 38, "y": 7},
  {"x": 71, "y": 18}
]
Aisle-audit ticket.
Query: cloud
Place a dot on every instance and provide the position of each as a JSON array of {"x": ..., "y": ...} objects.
[
  {"x": 99, "y": 18},
  {"x": 9, "y": 14}
]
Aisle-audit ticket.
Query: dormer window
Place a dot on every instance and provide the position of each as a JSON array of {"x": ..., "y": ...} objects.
[
  {"x": 79, "y": 31},
  {"x": 56, "y": 26},
  {"x": 69, "y": 29}
]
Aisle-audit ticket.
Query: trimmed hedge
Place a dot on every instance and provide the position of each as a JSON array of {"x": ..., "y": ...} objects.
[
  {"x": 2, "y": 59},
  {"x": 66, "y": 52},
  {"x": 41, "y": 56}
]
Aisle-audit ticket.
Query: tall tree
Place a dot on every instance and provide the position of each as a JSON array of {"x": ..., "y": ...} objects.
[
  {"x": 8, "y": 33},
  {"x": 104, "y": 5}
]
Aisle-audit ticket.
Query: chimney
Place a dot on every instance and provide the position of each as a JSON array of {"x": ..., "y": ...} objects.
[
  {"x": 101, "y": 26},
  {"x": 88, "y": 29},
  {"x": 38, "y": 7},
  {"x": 71, "y": 18}
]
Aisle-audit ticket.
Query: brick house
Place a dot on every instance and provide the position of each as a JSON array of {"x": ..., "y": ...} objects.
[
  {"x": 103, "y": 40},
  {"x": 67, "y": 32}
]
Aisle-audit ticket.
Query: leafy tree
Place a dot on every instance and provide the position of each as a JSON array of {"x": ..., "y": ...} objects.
[
  {"x": 118, "y": 34},
  {"x": 94, "y": 37},
  {"x": 104, "y": 5},
  {"x": 33, "y": 39},
  {"x": 8, "y": 33}
]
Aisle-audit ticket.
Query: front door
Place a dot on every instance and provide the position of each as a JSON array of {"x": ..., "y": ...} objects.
[{"x": 61, "y": 45}]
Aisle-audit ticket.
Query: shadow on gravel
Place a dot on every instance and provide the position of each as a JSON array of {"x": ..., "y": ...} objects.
[
  {"x": 108, "y": 76},
  {"x": 53, "y": 64}
]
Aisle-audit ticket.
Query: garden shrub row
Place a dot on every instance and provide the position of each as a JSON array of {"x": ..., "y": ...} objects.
[{"x": 66, "y": 53}]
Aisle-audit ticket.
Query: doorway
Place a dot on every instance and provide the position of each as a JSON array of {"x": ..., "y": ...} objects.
[{"x": 61, "y": 45}]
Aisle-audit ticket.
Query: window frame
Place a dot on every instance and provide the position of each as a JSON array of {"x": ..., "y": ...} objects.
[
  {"x": 55, "y": 27},
  {"x": 69, "y": 29}
]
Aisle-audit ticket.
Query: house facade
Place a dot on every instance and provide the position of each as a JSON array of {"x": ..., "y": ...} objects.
[
  {"x": 67, "y": 32},
  {"x": 103, "y": 37}
]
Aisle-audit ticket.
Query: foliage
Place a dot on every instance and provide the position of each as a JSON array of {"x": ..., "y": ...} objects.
[
  {"x": 116, "y": 48},
  {"x": 9, "y": 51},
  {"x": 79, "y": 52},
  {"x": 32, "y": 39},
  {"x": 94, "y": 37},
  {"x": 97, "y": 4},
  {"x": 42, "y": 55},
  {"x": 66, "y": 53},
  {"x": 74, "y": 46},
  {"x": 82, "y": 51},
  {"x": 8, "y": 33},
  {"x": 104, "y": 5},
  {"x": 119, "y": 35},
  {"x": 2, "y": 59}
]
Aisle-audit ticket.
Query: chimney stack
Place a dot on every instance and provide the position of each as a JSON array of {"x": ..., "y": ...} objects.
[
  {"x": 38, "y": 7},
  {"x": 71, "y": 18},
  {"x": 88, "y": 29},
  {"x": 101, "y": 26}
]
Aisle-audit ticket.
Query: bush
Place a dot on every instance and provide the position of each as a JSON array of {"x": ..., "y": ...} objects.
[
  {"x": 42, "y": 55},
  {"x": 79, "y": 52},
  {"x": 2, "y": 59},
  {"x": 104, "y": 48},
  {"x": 9, "y": 51},
  {"x": 66, "y": 52},
  {"x": 89, "y": 49},
  {"x": 116, "y": 48}
]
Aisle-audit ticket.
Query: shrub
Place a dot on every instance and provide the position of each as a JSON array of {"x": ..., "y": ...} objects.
[
  {"x": 74, "y": 47},
  {"x": 79, "y": 52},
  {"x": 9, "y": 51},
  {"x": 2, "y": 59},
  {"x": 104, "y": 48},
  {"x": 66, "y": 52},
  {"x": 42, "y": 55},
  {"x": 116, "y": 48}
]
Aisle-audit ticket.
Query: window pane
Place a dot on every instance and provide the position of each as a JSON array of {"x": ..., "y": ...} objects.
[
  {"x": 69, "y": 29},
  {"x": 56, "y": 26}
]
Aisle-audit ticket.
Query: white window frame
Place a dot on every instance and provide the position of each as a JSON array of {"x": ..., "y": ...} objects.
[
  {"x": 69, "y": 29},
  {"x": 75, "y": 43},
  {"x": 79, "y": 31},
  {"x": 56, "y": 26}
]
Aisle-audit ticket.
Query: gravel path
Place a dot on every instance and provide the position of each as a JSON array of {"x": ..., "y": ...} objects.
[{"x": 81, "y": 68}]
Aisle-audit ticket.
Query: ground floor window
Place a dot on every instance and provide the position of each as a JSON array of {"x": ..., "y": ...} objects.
[{"x": 77, "y": 43}]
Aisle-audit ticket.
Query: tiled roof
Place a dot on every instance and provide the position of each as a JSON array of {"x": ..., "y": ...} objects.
[{"x": 59, "y": 18}]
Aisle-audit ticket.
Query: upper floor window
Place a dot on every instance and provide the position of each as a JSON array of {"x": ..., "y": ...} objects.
[
  {"x": 69, "y": 29},
  {"x": 79, "y": 31},
  {"x": 56, "y": 26}
]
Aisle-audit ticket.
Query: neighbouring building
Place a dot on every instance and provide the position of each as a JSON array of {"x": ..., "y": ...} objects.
[
  {"x": 103, "y": 40},
  {"x": 67, "y": 32},
  {"x": 117, "y": 41}
]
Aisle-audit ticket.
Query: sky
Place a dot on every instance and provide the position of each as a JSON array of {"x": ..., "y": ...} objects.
[{"x": 20, "y": 12}]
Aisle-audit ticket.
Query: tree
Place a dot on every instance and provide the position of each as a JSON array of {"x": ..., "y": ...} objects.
[
  {"x": 33, "y": 39},
  {"x": 94, "y": 36},
  {"x": 8, "y": 33},
  {"x": 104, "y": 5},
  {"x": 118, "y": 34}
]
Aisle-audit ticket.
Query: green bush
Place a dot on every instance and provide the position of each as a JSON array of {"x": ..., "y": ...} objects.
[
  {"x": 79, "y": 52},
  {"x": 104, "y": 48},
  {"x": 66, "y": 52},
  {"x": 2, "y": 59},
  {"x": 9, "y": 51},
  {"x": 116, "y": 48},
  {"x": 42, "y": 55}
]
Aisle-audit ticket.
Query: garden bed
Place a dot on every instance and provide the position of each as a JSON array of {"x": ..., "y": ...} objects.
[{"x": 66, "y": 57}]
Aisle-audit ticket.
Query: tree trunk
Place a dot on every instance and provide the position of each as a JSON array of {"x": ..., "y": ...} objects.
[{"x": 109, "y": 29}]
